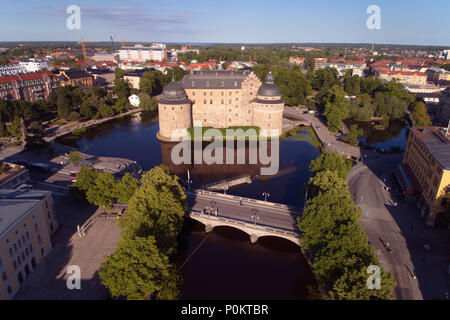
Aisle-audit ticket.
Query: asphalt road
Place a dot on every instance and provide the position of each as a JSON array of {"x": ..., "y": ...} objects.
[
  {"x": 389, "y": 220},
  {"x": 282, "y": 218}
]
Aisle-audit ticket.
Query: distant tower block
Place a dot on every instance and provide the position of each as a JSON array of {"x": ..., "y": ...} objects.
[
  {"x": 174, "y": 111},
  {"x": 268, "y": 108}
]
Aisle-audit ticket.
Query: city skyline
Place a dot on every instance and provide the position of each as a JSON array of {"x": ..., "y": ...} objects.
[{"x": 256, "y": 22}]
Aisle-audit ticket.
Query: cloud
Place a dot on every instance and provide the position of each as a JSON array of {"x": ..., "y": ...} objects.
[{"x": 136, "y": 19}]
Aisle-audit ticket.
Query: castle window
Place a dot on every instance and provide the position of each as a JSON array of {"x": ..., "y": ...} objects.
[
  {"x": 204, "y": 101},
  {"x": 222, "y": 93},
  {"x": 210, "y": 102}
]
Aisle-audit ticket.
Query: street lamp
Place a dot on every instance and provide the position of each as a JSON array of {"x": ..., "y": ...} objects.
[
  {"x": 189, "y": 181},
  {"x": 255, "y": 215},
  {"x": 265, "y": 195}
]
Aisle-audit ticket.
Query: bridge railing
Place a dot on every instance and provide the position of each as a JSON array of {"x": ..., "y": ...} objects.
[
  {"x": 266, "y": 203},
  {"x": 245, "y": 223}
]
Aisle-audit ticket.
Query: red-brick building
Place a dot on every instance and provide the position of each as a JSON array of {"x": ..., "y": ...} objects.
[{"x": 29, "y": 87}]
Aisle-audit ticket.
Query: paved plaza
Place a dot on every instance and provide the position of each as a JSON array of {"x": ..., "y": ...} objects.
[{"x": 49, "y": 281}]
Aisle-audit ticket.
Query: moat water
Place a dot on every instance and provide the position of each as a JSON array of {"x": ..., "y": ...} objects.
[{"x": 226, "y": 265}]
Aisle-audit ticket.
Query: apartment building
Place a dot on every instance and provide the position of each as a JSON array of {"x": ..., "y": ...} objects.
[
  {"x": 356, "y": 68},
  {"x": 318, "y": 63},
  {"x": 427, "y": 157},
  {"x": 438, "y": 76},
  {"x": 27, "y": 219},
  {"x": 296, "y": 60},
  {"x": 29, "y": 86},
  {"x": 139, "y": 53},
  {"x": 32, "y": 65},
  {"x": 405, "y": 77}
]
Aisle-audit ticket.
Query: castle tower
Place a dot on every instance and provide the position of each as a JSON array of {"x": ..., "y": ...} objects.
[
  {"x": 174, "y": 109},
  {"x": 268, "y": 108}
]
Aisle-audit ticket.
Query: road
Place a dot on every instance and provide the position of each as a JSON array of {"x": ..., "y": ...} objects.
[
  {"x": 269, "y": 215},
  {"x": 389, "y": 220},
  {"x": 328, "y": 140}
]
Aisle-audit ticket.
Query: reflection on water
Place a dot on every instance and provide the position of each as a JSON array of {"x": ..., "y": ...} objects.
[
  {"x": 227, "y": 265},
  {"x": 394, "y": 136}
]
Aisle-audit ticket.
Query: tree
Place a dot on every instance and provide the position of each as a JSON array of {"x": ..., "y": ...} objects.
[
  {"x": 122, "y": 88},
  {"x": 85, "y": 180},
  {"x": 353, "y": 135},
  {"x": 325, "y": 78},
  {"x": 103, "y": 191},
  {"x": 74, "y": 157},
  {"x": 333, "y": 162},
  {"x": 152, "y": 82},
  {"x": 156, "y": 209},
  {"x": 105, "y": 111},
  {"x": 136, "y": 269},
  {"x": 420, "y": 115},
  {"x": 336, "y": 108},
  {"x": 352, "y": 285},
  {"x": 126, "y": 188}
]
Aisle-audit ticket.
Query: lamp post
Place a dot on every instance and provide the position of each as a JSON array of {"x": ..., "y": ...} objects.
[
  {"x": 265, "y": 195},
  {"x": 255, "y": 215},
  {"x": 189, "y": 181}
]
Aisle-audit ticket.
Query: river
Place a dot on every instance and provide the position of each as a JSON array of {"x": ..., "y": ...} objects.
[{"x": 226, "y": 265}]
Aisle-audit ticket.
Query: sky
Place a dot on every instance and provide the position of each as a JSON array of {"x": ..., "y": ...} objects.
[{"x": 413, "y": 22}]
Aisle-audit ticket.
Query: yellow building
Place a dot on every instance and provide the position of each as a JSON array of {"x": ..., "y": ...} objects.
[
  {"x": 427, "y": 155},
  {"x": 27, "y": 219}
]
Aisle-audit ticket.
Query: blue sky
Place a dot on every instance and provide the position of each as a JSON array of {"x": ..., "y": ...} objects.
[{"x": 238, "y": 21}]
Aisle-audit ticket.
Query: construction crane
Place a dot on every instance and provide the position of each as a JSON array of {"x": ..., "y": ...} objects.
[
  {"x": 123, "y": 42},
  {"x": 83, "y": 46}
]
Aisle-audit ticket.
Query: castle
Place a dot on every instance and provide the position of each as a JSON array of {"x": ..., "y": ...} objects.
[{"x": 221, "y": 99}]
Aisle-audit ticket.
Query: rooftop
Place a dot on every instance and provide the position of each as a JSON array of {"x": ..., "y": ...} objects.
[
  {"x": 15, "y": 204},
  {"x": 214, "y": 79},
  {"x": 436, "y": 142}
]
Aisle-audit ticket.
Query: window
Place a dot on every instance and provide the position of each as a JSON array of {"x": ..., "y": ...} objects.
[
  {"x": 36, "y": 227},
  {"x": 11, "y": 252},
  {"x": 4, "y": 276},
  {"x": 210, "y": 102},
  {"x": 1, "y": 263},
  {"x": 204, "y": 101},
  {"x": 15, "y": 247},
  {"x": 39, "y": 239},
  {"x": 9, "y": 290},
  {"x": 207, "y": 83},
  {"x": 42, "y": 252}
]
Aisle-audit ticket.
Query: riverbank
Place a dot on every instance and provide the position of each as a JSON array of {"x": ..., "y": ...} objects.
[{"x": 71, "y": 127}]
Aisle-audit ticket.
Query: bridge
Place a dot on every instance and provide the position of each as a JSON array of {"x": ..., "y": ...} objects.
[
  {"x": 328, "y": 140},
  {"x": 257, "y": 218}
]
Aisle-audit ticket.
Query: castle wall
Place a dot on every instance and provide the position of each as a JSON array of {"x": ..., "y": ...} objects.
[
  {"x": 268, "y": 116},
  {"x": 222, "y": 108},
  {"x": 173, "y": 117}
]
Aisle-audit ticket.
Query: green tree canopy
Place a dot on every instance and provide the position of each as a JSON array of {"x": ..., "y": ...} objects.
[
  {"x": 333, "y": 162},
  {"x": 136, "y": 269}
]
